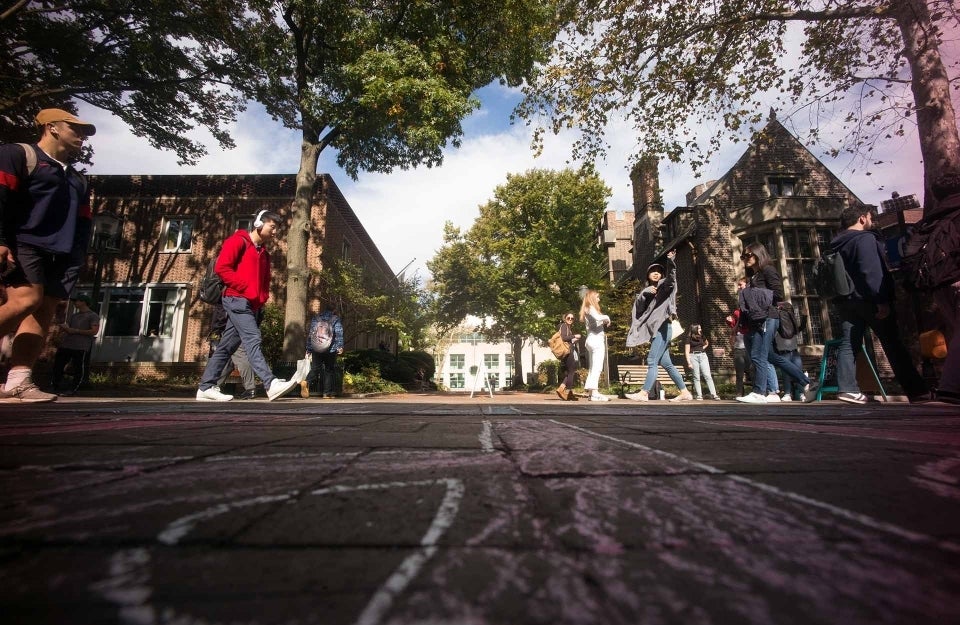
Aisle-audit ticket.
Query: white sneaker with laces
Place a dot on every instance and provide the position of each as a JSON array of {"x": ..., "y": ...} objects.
[
  {"x": 279, "y": 388},
  {"x": 753, "y": 398},
  {"x": 810, "y": 392},
  {"x": 598, "y": 397},
  {"x": 639, "y": 396},
  {"x": 213, "y": 394},
  {"x": 772, "y": 398},
  {"x": 786, "y": 398}
]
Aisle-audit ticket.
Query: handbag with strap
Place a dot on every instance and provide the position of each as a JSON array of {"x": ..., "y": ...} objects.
[{"x": 558, "y": 346}]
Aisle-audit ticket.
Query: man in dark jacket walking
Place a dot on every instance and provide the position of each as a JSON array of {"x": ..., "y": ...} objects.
[{"x": 871, "y": 305}]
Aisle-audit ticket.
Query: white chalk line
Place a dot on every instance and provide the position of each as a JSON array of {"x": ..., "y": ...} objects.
[
  {"x": 486, "y": 437},
  {"x": 862, "y": 519},
  {"x": 128, "y": 584}
]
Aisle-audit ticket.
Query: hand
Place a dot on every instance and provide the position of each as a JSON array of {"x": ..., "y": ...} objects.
[
  {"x": 672, "y": 254},
  {"x": 7, "y": 262},
  {"x": 883, "y": 311}
]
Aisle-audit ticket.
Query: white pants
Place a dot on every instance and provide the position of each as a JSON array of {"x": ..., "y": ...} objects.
[
  {"x": 701, "y": 367},
  {"x": 596, "y": 347}
]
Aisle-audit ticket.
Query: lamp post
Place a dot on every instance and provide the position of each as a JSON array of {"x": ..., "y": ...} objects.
[{"x": 104, "y": 240}]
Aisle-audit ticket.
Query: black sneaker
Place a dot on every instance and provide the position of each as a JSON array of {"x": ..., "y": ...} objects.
[
  {"x": 251, "y": 394},
  {"x": 853, "y": 398}
]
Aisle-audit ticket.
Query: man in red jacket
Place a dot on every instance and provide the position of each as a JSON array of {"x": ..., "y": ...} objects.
[{"x": 244, "y": 267}]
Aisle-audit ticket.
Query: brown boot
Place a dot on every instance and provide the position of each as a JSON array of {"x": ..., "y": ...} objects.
[
  {"x": 571, "y": 396},
  {"x": 562, "y": 391}
]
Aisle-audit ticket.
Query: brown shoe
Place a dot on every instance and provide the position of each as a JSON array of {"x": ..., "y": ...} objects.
[
  {"x": 571, "y": 396},
  {"x": 562, "y": 391},
  {"x": 304, "y": 389}
]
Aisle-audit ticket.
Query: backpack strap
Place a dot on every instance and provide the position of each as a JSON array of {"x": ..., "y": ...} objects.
[{"x": 31, "y": 155}]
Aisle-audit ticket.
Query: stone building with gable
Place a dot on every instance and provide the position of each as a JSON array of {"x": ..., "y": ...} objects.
[
  {"x": 144, "y": 274},
  {"x": 777, "y": 193}
]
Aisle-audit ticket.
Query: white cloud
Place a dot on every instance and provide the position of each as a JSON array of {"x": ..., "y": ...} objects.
[{"x": 404, "y": 212}]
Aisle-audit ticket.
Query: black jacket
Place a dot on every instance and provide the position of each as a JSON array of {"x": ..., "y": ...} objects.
[{"x": 863, "y": 257}]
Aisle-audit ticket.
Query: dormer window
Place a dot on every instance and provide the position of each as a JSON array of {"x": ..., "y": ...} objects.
[{"x": 782, "y": 186}]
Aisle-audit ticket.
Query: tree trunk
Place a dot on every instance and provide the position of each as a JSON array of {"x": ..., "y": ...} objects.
[
  {"x": 298, "y": 238},
  {"x": 517, "y": 348},
  {"x": 936, "y": 120}
]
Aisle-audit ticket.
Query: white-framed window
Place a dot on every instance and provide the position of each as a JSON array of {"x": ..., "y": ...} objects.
[
  {"x": 491, "y": 361},
  {"x": 472, "y": 337},
  {"x": 177, "y": 234},
  {"x": 457, "y": 380},
  {"x": 457, "y": 361}
]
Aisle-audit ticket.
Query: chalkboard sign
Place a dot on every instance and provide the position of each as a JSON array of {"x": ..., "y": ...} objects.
[{"x": 828, "y": 366}]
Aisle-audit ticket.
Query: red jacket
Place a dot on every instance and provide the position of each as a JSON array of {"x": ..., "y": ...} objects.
[{"x": 245, "y": 270}]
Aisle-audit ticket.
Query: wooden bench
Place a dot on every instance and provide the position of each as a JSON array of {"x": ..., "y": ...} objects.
[{"x": 635, "y": 375}]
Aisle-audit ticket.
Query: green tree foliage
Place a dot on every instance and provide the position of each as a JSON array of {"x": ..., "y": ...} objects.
[
  {"x": 673, "y": 65},
  {"x": 524, "y": 258},
  {"x": 159, "y": 66},
  {"x": 385, "y": 83}
]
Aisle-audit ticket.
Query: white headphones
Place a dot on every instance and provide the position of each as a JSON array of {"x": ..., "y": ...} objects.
[{"x": 258, "y": 220}]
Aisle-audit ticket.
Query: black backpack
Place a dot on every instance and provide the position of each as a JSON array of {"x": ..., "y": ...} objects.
[
  {"x": 211, "y": 285},
  {"x": 932, "y": 253},
  {"x": 789, "y": 324},
  {"x": 830, "y": 277}
]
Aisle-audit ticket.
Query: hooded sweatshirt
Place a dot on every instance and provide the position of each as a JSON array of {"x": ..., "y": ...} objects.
[
  {"x": 863, "y": 258},
  {"x": 245, "y": 270},
  {"x": 651, "y": 309}
]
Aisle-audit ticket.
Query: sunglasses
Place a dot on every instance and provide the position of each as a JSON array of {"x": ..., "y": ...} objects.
[
  {"x": 568, "y": 318},
  {"x": 746, "y": 256}
]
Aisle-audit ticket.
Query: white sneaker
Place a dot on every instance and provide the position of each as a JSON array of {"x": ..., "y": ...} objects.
[
  {"x": 213, "y": 394},
  {"x": 639, "y": 396},
  {"x": 853, "y": 398},
  {"x": 279, "y": 388},
  {"x": 786, "y": 398},
  {"x": 772, "y": 398},
  {"x": 753, "y": 398},
  {"x": 599, "y": 397},
  {"x": 810, "y": 392}
]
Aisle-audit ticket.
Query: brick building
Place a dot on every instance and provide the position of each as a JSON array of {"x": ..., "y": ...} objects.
[
  {"x": 172, "y": 226},
  {"x": 777, "y": 193}
]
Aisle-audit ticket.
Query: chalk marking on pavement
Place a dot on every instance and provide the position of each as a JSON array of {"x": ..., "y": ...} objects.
[
  {"x": 320, "y": 454},
  {"x": 382, "y": 600},
  {"x": 903, "y": 436},
  {"x": 862, "y": 519},
  {"x": 486, "y": 437}
]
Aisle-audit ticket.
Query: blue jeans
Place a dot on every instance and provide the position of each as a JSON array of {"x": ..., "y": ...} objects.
[
  {"x": 789, "y": 386},
  {"x": 700, "y": 364},
  {"x": 758, "y": 340},
  {"x": 241, "y": 329},
  {"x": 789, "y": 368},
  {"x": 660, "y": 355},
  {"x": 855, "y": 317}
]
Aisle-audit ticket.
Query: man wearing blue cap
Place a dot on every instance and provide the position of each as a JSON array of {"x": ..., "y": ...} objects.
[
  {"x": 45, "y": 222},
  {"x": 76, "y": 341}
]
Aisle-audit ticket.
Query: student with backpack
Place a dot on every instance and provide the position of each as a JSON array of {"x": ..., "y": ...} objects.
[
  {"x": 244, "y": 266},
  {"x": 324, "y": 344},
  {"x": 786, "y": 344},
  {"x": 45, "y": 223},
  {"x": 758, "y": 308},
  {"x": 870, "y": 304}
]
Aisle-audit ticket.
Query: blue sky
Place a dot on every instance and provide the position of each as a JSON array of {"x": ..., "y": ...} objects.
[{"x": 404, "y": 212}]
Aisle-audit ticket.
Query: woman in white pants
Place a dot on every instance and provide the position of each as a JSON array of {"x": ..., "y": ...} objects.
[
  {"x": 697, "y": 360},
  {"x": 595, "y": 321}
]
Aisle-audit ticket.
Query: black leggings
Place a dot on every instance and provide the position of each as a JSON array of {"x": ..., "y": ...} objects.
[{"x": 570, "y": 364}]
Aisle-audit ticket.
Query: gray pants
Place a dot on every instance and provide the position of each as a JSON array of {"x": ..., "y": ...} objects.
[{"x": 242, "y": 363}]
